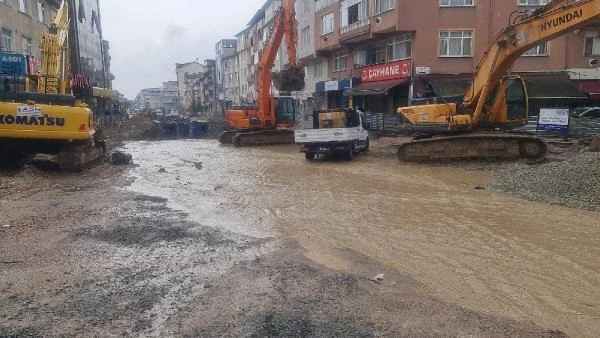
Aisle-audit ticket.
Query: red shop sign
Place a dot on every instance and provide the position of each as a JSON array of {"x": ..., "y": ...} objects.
[{"x": 387, "y": 71}]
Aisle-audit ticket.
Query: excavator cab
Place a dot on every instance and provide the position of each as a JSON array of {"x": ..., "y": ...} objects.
[
  {"x": 509, "y": 103},
  {"x": 285, "y": 111}
]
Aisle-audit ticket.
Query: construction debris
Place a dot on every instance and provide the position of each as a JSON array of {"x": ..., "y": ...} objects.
[{"x": 121, "y": 158}]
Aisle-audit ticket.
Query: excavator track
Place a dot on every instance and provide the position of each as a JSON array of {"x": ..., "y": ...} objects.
[
  {"x": 482, "y": 146},
  {"x": 263, "y": 137},
  {"x": 71, "y": 157}
]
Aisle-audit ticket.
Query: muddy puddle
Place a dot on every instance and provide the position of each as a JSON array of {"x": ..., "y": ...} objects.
[{"x": 492, "y": 253}]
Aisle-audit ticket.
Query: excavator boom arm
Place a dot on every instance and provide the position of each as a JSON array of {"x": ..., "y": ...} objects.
[
  {"x": 549, "y": 22},
  {"x": 284, "y": 25}
]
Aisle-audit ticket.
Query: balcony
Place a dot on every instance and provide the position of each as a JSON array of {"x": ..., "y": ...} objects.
[{"x": 356, "y": 32}]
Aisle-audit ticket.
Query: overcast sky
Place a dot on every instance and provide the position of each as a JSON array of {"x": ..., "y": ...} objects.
[{"x": 147, "y": 37}]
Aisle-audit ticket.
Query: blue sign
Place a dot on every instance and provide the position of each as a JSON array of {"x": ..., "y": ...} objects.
[{"x": 13, "y": 64}]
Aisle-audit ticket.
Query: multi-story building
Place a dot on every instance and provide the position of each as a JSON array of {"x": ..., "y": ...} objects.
[
  {"x": 164, "y": 99},
  {"x": 315, "y": 67},
  {"x": 384, "y": 53},
  {"x": 199, "y": 96},
  {"x": 230, "y": 79},
  {"x": 248, "y": 48},
  {"x": 89, "y": 51},
  {"x": 23, "y": 23},
  {"x": 225, "y": 50},
  {"x": 182, "y": 70}
]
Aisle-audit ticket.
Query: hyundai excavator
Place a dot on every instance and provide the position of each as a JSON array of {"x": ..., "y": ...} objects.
[
  {"x": 46, "y": 118},
  {"x": 271, "y": 120},
  {"x": 476, "y": 127}
]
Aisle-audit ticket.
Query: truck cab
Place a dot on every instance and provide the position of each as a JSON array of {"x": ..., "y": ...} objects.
[{"x": 339, "y": 131}]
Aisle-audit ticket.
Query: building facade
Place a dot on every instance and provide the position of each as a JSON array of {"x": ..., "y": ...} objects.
[
  {"x": 383, "y": 54},
  {"x": 226, "y": 66},
  {"x": 183, "y": 70},
  {"x": 163, "y": 99},
  {"x": 23, "y": 23},
  {"x": 89, "y": 51}
]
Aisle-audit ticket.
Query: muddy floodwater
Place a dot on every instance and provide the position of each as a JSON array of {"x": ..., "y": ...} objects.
[{"x": 472, "y": 247}]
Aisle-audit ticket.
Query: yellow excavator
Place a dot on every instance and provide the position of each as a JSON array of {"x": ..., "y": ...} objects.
[
  {"x": 45, "y": 118},
  {"x": 496, "y": 100}
]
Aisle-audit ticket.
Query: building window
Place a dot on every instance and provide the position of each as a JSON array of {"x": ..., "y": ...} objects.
[
  {"x": 383, "y": 5},
  {"x": 532, "y": 2},
  {"x": 399, "y": 48},
  {"x": 41, "y": 12},
  {"x": 539, "y": 50},
  {"x": 592, "y": 43},
  {"x": 24, "y": 7},
  {"x": 327, "y": 23},
  {"x": 6, "y": 42},
  {"x": 318, "y": 70},
  {"x": 457, "y": 3},
  {"x": 354, "y": 12},
  {"x": 341, "y": 62},
  {"x": 323, "y": 3},
  {"x": 456, "y": 43},
  {"x": 27, "y": 45},
  {"x": 305, "y": 38}
]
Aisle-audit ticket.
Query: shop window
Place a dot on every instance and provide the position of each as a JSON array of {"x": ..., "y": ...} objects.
[
  {"x": 457, "y": 3},
  {"x": 539, "y": 50},
  {"x": 532, "y": 2},
  {"x": 399, "y": 48},
  {"x": 592, "y": 43},
  {"x": 327, "y": 23},
  {"x": 383, "y": 6},
  {"x": 456, "y": 43},
  {"x": 27, "y": 46},
  {"x": 341, "y": 62},
  {"x": 6, "y": 44}
]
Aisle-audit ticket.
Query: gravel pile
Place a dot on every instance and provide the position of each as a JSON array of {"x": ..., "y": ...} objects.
[{"x": 573, "y": 183}]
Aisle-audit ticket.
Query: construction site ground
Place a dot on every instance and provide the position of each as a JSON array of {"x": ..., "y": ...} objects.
[{"x": 199, "y": 239}]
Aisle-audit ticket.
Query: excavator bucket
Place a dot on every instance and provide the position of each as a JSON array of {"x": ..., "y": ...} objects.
[{"x": 290, "y": 80}]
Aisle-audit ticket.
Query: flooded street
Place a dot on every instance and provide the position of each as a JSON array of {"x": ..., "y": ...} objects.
[
  {"x": 200, "y": 239},
  {"x": 487, "y": 252}
]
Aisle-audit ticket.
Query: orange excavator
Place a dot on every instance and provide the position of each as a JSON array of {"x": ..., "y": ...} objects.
[
  {"x": 271, "y": 120},
  {"x": 496, "y": 99}
]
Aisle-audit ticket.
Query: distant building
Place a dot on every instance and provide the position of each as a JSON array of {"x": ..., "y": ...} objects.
[
  {"x": 182, "y": 70},
  {"x": 226, "y": 67},
  {"x": 165, "y": 98},
  {"x": 199, "y": 97}
]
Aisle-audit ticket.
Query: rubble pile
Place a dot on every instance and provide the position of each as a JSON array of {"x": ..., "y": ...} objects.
[{"x": 574, "y": 183}]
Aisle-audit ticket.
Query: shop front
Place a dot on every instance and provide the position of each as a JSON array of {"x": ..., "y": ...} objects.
[
  {"x": 382, "y": 87},
  {"x": 330, "y": 94}
]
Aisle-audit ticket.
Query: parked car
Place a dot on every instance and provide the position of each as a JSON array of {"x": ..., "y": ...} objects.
[{"x": 588, "y": 113}]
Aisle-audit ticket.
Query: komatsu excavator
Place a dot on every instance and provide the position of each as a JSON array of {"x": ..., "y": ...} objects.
[
  {"x": 46, "y": 118},
  {"x": 496, "y": 99},
  {"x": 270, "y": 121}
]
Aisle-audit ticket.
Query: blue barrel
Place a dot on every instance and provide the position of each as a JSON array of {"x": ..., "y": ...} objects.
[
  {"x": 183, "y": 130},
  {"x": 199, "y": 129}
]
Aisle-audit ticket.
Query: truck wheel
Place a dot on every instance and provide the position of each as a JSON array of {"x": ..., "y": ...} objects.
[
  {"x": 350, "y": 154},
  {"x": 309, "y": 156}
]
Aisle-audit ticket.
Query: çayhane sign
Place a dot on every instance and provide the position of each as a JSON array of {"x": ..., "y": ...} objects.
[{"x": 387, "y": 71}]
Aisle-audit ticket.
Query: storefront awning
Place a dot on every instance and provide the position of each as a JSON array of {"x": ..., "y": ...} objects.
[
  {"x": 374, "y": 88},
  {"x": 592, "y": 88}
]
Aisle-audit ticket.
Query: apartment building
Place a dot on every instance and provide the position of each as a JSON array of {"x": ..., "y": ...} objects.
[
  {"x": 384, "y": 53},
  {"x": 183, "y": 70},
  {"x": 225, "y": 51},
  {"x": 23, "y": 23},
  {"x": 165, "y": 98}
]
